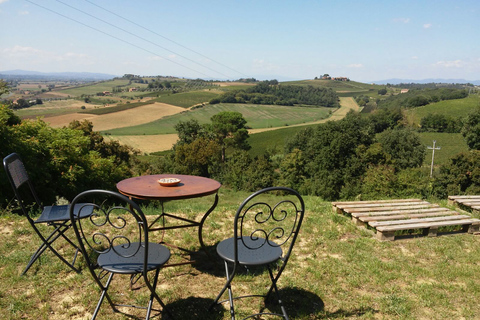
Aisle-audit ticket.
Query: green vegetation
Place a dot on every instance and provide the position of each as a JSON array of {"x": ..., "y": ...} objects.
[
  {"x": 117, "y": 108},
  {"x": 451, "y": 108},
  {"x": 186, "y": 99},
  {"x": 450, "y": 144},
  {"x": 61, "y": 161},
  {"x": 257, "y": 116},
  {"x": 270, "y": 92},
  {"x": 91, "y": 89}
]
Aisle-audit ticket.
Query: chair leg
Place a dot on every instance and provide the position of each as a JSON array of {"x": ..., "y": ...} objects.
[
  {"x": 155, "y": 295},
  {"x": 102, "y": 296},
  {"x": 230, "y": 294},
  {"x": 47, "y": 243},
  {"x": 274, "y": 287}
]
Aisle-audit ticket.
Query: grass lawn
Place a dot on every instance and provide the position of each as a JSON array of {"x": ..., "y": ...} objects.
[
  {"x": 337, "y": 271},
  {"x": 257, "y": 116}
]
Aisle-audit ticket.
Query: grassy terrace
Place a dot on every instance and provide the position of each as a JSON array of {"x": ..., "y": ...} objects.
[{"x": 337, "y": 271}]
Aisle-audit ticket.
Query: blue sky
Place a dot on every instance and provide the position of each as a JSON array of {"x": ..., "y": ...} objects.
[{"x": 231, "y": 39}]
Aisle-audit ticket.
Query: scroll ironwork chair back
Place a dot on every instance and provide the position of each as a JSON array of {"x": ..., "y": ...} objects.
[
  {"x": 266, "y": 226},
  {"x": 114, "y": 240},
  {"x": 56, "y": 216}
]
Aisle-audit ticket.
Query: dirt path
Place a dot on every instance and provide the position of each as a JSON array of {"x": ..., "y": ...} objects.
[{"x": 153, "y": 143}]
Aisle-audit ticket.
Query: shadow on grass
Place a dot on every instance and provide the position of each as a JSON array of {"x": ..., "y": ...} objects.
[{"x": 196, "y": 308}]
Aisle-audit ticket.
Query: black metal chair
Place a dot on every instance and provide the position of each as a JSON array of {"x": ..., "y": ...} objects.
[
  {"x": 114, "y": 240},
  {"x": 265, "y": 230},
  {"x": 58, "y": 217}
]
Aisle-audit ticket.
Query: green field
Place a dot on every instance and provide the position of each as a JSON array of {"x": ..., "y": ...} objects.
[
  {"x": 450, "y": 144},
  {"x": 257, "y": 116},
  {"x": 97, "y": 87},
  {"x": 453, "y": 108},
  {"x": 272, "y": 140},
  {"x": 186, "y": 99}
]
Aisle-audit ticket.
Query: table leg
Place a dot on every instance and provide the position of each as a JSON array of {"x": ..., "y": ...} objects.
[{"x": 200, "y": 227}]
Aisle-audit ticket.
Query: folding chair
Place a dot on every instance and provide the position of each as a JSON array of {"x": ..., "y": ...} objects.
[
  {"x": 114, "y": 240},
  {"x": 57, "y": 217},
  {"x": 264, "y": 232}
]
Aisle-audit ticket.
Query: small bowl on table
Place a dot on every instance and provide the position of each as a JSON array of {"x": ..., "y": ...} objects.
[{"x": 169, "y": 182}]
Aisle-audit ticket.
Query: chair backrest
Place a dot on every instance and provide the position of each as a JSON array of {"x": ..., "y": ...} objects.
[
  {"x": 117, "y": 226},
  {"x": 21, "y": 184},
  {"x": 269, "y": 217}
]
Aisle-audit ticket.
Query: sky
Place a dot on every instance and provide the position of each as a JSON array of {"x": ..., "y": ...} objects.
[{"x": 231, "y": 39}]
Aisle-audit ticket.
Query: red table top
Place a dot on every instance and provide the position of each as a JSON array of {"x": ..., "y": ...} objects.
[{"x": 148, "y": 188}]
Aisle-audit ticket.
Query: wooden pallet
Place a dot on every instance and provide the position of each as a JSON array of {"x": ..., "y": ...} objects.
[
  {"x": 389, "y": 216},
  {"x": 472, "y": 202}
]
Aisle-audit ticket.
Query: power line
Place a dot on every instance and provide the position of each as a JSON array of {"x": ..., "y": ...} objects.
[
  {"x": 178, "y": 44},
  {"x": 117, "y": 38},
  {"x": 135, "y": 35}
]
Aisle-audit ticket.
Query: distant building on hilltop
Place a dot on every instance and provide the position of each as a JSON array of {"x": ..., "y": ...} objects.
[{"x": 404, "y": 91}]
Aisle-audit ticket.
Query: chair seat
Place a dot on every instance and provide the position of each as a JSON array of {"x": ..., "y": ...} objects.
[
  {"x": 250, "y": 252},
  {"x": 158, "y": 255},
  {"x": 62, "y": 213}
]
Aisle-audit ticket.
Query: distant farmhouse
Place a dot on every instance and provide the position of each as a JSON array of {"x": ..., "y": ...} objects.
[
  {"x": 404, "y": 91},
  {"x": 326, "y": 76}
]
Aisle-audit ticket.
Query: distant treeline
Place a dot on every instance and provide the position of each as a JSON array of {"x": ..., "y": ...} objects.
[
  {"x": 430, "y": 85},
  {"x": 269, "y": 92},
  {"x": 421, "y": 97}
]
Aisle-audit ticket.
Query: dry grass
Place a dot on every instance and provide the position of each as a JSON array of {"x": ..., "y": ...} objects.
[
  {"x": 126, "y": 118},
  {"x": 337, "y": 271}
]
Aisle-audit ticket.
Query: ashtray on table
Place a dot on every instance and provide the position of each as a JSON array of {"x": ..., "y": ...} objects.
[{"x": 168, "y": 182}]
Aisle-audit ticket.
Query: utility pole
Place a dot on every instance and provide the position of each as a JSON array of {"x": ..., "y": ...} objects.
[{"x": 433, "y": 156}]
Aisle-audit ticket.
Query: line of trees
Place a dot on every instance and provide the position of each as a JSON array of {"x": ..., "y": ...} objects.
[
  {"x": 269, "y": 92},
  {"x": 421, "y": 97}
]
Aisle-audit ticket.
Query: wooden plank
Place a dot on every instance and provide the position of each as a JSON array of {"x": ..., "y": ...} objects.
[
  {"x": 417, "y": 220},
  {"x": 471, "y": 203},
  {"x": 405, "y": 216},
  {"x": 381, "y": 205},
  {"x": 393, "y": 208},
  {"x": 427, "y": 225},
  {"x": 433, "y": 208},
  {"x": 339, "y": 203}
]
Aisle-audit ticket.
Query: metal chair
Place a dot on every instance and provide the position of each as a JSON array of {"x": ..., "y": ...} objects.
[
  {"x": 58, "y": 217},
  {"x": 114, "y": 240},
  {"x": 265, "y": 230}
]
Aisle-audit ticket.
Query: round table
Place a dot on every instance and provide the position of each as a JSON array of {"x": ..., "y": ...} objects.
[{"x": 148, "y": 188}]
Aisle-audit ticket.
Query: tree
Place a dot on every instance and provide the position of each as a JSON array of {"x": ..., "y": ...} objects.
[
  {"x": 471, "y": 130},
  {"x": 229, "y": 130},
  {"x": 188, "y": 131},
  {"x": 59, "y": 160},
  {"x": 404, "y": 147},
  {"x": 3, "y": 87},
  {"x": 382, "y": 92}
]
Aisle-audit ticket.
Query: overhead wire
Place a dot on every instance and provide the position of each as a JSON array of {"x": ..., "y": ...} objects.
[
  {"x": 142, "y": 38},
  {"x": 117, "y": 38},
  {"x": 162, "y": 36}
]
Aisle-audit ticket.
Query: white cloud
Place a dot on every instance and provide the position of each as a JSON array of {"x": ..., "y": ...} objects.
[
  {"x": 355, "y": 65},
  {"x": 23, "y": 13},
  {"x": 402, "y": 20},
  {"x": 427, "y": 25},
  {"x": 414, "y": 58},
  {"x": 450, "y": 64},
  {"x": 3, "y": 1}
]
